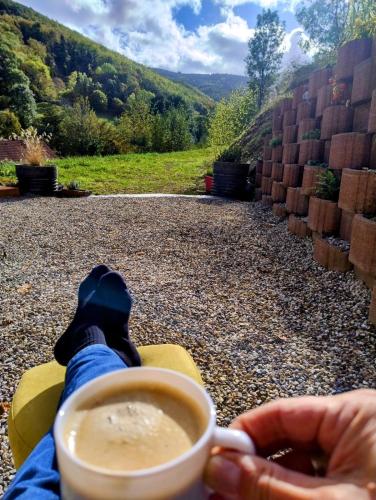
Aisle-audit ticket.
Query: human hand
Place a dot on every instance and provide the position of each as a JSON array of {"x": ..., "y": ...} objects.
[{"x": 342, "y": 428}]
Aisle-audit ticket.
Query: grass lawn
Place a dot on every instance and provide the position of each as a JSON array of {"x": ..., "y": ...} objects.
[{"x": 179, "y": 172}]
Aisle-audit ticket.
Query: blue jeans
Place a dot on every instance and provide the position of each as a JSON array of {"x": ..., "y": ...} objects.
[{"x": 39, "y": 478}]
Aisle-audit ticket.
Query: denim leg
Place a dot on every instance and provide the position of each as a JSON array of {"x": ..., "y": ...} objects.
[{"x": 39, "y": 478}]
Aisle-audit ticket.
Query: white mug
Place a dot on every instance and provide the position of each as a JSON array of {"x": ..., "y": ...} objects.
[{"x": 179, "y": 478}]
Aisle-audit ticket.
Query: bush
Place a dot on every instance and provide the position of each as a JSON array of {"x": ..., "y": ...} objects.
[
  {"x": 9, "y": 124},
  {"x": 232, "y": 154},
  {"x": 275, "y": 142},
  {"x": 328, "y": 186},
  {"x": 35, "y": 147},
  {"x": 99, "y": 101},
  {"x": 312, "y": 134}
]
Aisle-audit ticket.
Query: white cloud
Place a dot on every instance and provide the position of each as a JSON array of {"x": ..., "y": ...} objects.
[{"x": 146, "y": 31}]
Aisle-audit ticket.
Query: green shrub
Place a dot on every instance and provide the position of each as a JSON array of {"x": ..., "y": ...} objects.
[
  {"x": 275, "y": 142},
  {"x": 9, "y": 124},
  {"x": 73, "y": 185},
  {"x": 312, "y": 134},
  {"x": 232, "y": 154},
  {"x": 328, "y": 186},
  {"x": 317, "y": 163}
]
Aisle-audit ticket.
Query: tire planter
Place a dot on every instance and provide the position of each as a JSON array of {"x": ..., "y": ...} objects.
[
  {"x": 277, "y": 153},
  {"x": 278, "y": 192},
  {"x": 363, "y": 245},
  {"x": 372, "y": 115},
  {"x": 311, "y": 149},
  {"x": 266, "y": 185},
  {"x": 330, "y": 256},
  {"x": 298, "y": 95},
  {"x": 208, "y": 184},
  {"x": 358, "y": 191},
  {"x": 311, "y": 177},
  {"x": 292, "y": 175},
  {"x": 350, "y": 55},
  {"x": 364, "y": 82},
  {"x": 361, "y": 118},
  {"x": 318, "y": 79},
  {"x": 267, "y": 168},
  {"x": 230, "y": 179},
  {"x": 324, "y": 99},
  {"x": 346, "y": 225},
  {"x": 81, "y": 193},
  {"x": 277, "y": 172},
  {"x": 305, "y": 126},
  {"x": 350, "y": 150},
  {"x": 267, "y": 200},
  {"x": 37, "y": 180},
  {"x": 289, "y": 118},
  {"x": 279, "y": 210},
  {"x": 296, "y": 202},
  {"x": 290, "y": 153},
  {"x": 306, "y": 109},
  {"x": 290, "y": 134},
  {"x": 323, "y": 216},
  {"x": 336, "y": 120},
  {"x": 298, "y": 227}
]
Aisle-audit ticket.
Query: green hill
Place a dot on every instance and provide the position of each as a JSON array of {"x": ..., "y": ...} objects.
[
  {"x": 58, "y": 62},
  {"x": 217, "y": 85}
]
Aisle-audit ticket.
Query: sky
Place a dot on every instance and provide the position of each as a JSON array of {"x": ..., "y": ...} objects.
[{"x": 190, "y": 36}]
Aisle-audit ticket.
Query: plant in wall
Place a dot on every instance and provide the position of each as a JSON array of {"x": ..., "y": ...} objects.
[
  {"x": 275, "y": 142},
  {"x": 328, "y": 186},
  {"x": 339, "y": 91},
  {"x": 312, "y": 134},
  {"x": 317, "y": 163}
]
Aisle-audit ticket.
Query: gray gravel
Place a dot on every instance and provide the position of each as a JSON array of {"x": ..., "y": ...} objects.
[{"x": 223, "y": 279}]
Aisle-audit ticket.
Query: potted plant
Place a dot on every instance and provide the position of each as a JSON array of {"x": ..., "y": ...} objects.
[
  {"x": 311, "y": 176},
  {"x": 73, "y": 190},
  {"x": 230, "y": 174},
  {"x": 33, "y": 175},
  {"x": 324, "y": 214}
]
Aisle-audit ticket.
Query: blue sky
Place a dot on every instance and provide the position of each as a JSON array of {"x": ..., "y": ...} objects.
[{"x": 198, "y": 36}]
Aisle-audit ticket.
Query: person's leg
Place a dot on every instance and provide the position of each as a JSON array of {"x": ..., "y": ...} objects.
[{"x": 39, "y": 478}]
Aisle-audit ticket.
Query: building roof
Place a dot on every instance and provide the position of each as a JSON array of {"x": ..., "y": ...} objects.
[{"x": 14, "y": 150}]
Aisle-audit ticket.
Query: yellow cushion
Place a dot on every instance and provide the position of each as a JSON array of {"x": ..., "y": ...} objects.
[{"x": 37, "y": 396}]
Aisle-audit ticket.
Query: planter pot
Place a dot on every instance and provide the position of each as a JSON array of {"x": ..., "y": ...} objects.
[
  {"x": 267, "y": 153},
  {"x": 311, "y": 177},
  {"x": 277, "y": 153},
  {"x": 279, "y": 210},
  {"x": 267, "y": 200},
  {"x": 318, "y": 79},
  {"x": 277, "y": 172},
  {"x": 259, "y": 166},
  {"x": 267, "y": 168},
  {"x": 346, "y": 225},
  {"x": 305, "y": 126},
  {"x": 323, "y": 216},
  {"x": 278, "y": 192},
  {"x": 230, "y": 179},
  {"x": 350, "y": 150},
  {"x": 372, "y": 115},
  {"x": 311, "y": 149},
  {"x": 266, "y": 185},
  {"x": 351, "y": 54},
  {"x": 292, "y": 175},
  {"x": 290, "y": 134},
  {"x": 296, "y": 202},
  {"x": 208, "y": 184},
  {"x": 336, "y": 120},
  {"x": 258, "y": 194},
  {"x": 258, "y": 180},
  {"x": 75, "y": 193},
  {"x": 330, "y": 256},
  {"x": 285, "y": 105},
  {"x": 9, "y": 192},
  {"x": 364, "y": 82},
  {"x": 361, "y": 117},
  {"x": 358, "y": 191},
  {"x": 324, "y": 99},
  {"x": 37, "y": 180},
  {"x": 277, "y": 123},
  {"x": 290, "y": 153},
  {"x": 298, "y": 93},
  {"x": 289, "y": 118},
  {"x": 327, "y": 147},
  {"x": 298, "y": 227},
  {"x": 363, "y": 244},
  {"x": 306, "y": 109}
]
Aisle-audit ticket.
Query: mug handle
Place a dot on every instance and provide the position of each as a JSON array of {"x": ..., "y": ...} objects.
[{"x": 234, "y": 440}]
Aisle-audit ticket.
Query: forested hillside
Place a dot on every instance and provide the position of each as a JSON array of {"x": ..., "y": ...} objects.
[
  {"x": 46, "y": 68},
  {"x": 217, "y": 85}
]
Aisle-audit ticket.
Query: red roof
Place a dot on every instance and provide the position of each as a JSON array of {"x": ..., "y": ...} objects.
[{"x": 14, "y": 150}]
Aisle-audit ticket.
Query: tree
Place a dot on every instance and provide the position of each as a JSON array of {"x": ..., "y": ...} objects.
[
  {"x": 23, "y": 104},
  {"x": 99, "y": 100},
  {"x": 264, "y": 58},
  {"x": 136, "y": 123},
  {"x": 362, "y": 19},
  {"x": 325, "y": 22},
  {"x": 9, "y": 124}
]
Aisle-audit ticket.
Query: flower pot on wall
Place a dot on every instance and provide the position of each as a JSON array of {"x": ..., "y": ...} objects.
[
  {"x": 266, "y": 185},
  {"x": 318, "y": 79},
  {"x": 290, "y": 153},
  {"x": 298, "y": 93},
  {"x": 305, "y": 126},
  {"x": 277, "y": 152},
  {"x": 306, "y": 109},
  {"x": 372, "y": 115},
  {"x": 324, "y": 99},
  {"x": 290, "y": 134},
  {"x": 267, "y": 200},
  {"x": 351, "y": 54},
  {"x": 311, "y": 177},
  {"x": 267, "y": 168},
  {"x": 230, "y": 179},
  {"x": 278, "y": 192},
  {"x": 37, "y": 180},
  {"x": 277, "y": 124},
  {"x": 267, "y": 153},
  {"x": 346, "y": 225},
  {"x": 364, "y": 82},
  {"x": 298, "y": 227},
  {"x": 279, "y": 210},
  {"x": 289, "y": 118},
  {"x": 330, "y": 256},
  {"x": 363, "y": 244},
  {"x": 292, "y": 175},
  {"x": 277, "y": 172},
  {"x": 358, "y": 191},
  {"x": 311, "y": 149},
  {"x": 350, "y": 150},
  {"x": 285, "y": 105},
  {"x": 296, "y": 202},
  {"x": 336, "y": 120},
  {"x": 361, "y": 117},
  {"x": 323, "y": 216}
]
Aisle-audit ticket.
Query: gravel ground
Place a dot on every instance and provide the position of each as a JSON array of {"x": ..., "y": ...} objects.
[{"x": 223, "y": 279}]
